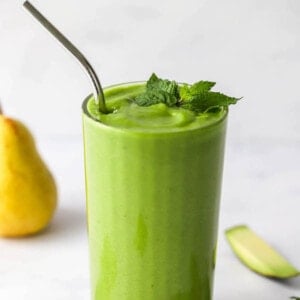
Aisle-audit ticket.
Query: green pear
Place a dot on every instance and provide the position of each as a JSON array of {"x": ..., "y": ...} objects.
[{"x": 257, "y": 255}]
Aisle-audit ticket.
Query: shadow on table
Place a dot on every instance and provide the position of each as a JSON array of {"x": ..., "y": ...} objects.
[
  {"x": 292, "y": 282},
  {"x": 67, "y": 221}
]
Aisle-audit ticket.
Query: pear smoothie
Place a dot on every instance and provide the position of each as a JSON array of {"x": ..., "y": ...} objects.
[{"x": 153, "y": 179}]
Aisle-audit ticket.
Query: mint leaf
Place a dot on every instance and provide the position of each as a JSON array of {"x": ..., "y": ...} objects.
[
  {"x": 295, "y": 298},
  {"x": 159, "y": 91},
  {"x": 187, "y": 92},
  {"x": 154, "y": 97},
  {"x": 207, "y": 100},
  {"x": 157, "y": 84},
  {"x": 197, "y": 97}
]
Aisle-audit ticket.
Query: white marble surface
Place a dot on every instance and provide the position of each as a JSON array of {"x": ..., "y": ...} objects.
[{"x": 251, "y": 48}]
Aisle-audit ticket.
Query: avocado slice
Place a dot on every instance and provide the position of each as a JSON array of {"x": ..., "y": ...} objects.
[{"x": 257, "y": 255}]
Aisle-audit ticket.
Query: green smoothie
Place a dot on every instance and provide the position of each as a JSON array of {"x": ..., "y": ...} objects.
[{"x": 153, "y": 180}]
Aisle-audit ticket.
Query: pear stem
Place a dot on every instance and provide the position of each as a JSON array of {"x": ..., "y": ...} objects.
[{"x": 1, "y": 111}]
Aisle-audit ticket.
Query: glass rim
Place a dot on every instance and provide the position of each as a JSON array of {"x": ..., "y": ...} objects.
[
  {"x": 86, "y": 99},
  {"x": 106, "y": 126}
]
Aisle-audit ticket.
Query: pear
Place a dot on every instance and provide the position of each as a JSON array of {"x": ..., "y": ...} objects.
[
  {"x": 258, "y": 255},
  {"x": 28, "y": 194}
]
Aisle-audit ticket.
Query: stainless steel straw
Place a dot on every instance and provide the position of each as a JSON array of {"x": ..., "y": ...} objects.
[{"x": 98, "y": 91}]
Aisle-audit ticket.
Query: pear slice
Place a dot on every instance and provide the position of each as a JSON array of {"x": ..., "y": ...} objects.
[{"x": 257, "y": 255}]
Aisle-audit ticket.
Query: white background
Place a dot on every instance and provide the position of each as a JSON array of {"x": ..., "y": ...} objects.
[{"x": 250, "y": 47}]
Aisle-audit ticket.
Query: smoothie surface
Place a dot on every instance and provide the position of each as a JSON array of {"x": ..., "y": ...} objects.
[{"x": 155, "y": 118}]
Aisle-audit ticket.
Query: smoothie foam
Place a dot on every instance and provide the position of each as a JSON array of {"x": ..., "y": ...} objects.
[{"x": 156, "y": 118}]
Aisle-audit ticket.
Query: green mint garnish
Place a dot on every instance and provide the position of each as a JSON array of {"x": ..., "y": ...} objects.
[
  {"x": 159, "y": 91},
  {"x": 207, "y": 100},
  {"x": 295, "y": 298},
  {"x": 188, "y": 92},
  {"x": 197, "y": 97}
]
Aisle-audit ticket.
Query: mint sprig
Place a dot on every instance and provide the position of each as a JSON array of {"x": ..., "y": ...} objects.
[
  {"x": 188, "y": 92},
  {"x": 154, "y": 83},
  {"x": 197, "y": 97},
  {"x": 159, "y": 91},
  {"x": 207, "y": 100}
]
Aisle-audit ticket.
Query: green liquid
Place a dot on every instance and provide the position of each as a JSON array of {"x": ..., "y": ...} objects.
[{"x": 153, "y": 178}]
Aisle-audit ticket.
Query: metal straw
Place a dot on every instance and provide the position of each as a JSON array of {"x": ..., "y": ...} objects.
[{"x": 98, "y": 91}]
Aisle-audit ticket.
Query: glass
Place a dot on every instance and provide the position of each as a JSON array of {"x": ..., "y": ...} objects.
[{"x": 152, "y": 207}]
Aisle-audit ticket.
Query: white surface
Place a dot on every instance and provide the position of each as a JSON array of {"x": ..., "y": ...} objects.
[{"x": 251, "y": 48}]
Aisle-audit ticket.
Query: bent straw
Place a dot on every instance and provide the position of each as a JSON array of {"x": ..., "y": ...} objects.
[{"x": 98, "y": 91}]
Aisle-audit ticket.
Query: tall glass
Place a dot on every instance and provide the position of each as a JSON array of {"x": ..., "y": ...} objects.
[{"x": 152, "y": 207}]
